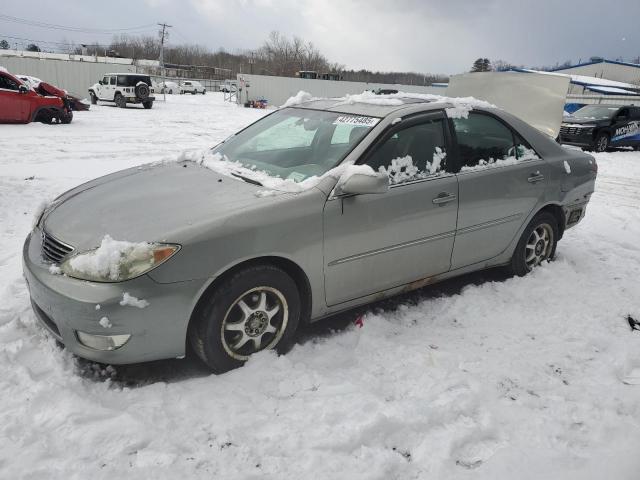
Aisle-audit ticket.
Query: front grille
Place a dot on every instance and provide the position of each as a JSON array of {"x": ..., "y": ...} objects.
[
  {"x": 53, "y": 249},
  {"x": 565, "y": 130}
]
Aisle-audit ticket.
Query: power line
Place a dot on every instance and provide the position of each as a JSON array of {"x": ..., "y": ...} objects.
[
  {"x": 53, "y": 26},
  {"x": 49, "y": 42}
]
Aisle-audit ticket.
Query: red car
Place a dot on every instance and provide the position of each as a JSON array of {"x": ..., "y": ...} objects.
[{"x": 20, "y": 103}]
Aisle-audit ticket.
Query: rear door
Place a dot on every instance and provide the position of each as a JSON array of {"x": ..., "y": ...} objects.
[
  {"x": 500, "y": 181},
  {"x": 376, "y": 242}
]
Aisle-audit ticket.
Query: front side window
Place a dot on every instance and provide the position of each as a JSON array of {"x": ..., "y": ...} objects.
[
  {"x": 7, "y": 83},
  {"x": 413, "y": 153},
  {"x": 105, "y": 80},
  {"x": 296, "y": 143},
  {"x": 484, "y": 141}
]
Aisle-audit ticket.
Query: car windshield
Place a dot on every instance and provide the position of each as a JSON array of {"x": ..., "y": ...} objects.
[
  {"x": 595, "y": 112},
  {"x": 296, "y": 143}
]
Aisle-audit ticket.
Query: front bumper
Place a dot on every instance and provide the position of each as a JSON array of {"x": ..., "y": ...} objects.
[
  {"x": 580, "y": 137},
  {"x": 65, "y": 305}
]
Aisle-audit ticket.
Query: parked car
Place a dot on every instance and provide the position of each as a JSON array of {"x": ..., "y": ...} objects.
[
  {"x": 123, "y": 88},
  {"x": 310, "y": 211},
  {"x": 168, "y": 87},
  {"x": 19, "y": 103},
  {"x": 598, "y": 127},
  {"x": 192, "y": 87}
]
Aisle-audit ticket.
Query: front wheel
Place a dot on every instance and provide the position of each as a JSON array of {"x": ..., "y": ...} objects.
[
  {"x": 602, "y": 142},
  {"x": 94, "y": 98},
  {"x": 256, "y": 309},
  {"x": 66, "y": 117},
  {"x": 537, "y": 244},
  {"x": 120, "y": 101}
]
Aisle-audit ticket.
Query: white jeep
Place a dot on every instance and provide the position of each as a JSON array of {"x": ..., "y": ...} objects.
[
  {"x": 192, "y": 87},
  {"x": 123, "y": 88}
]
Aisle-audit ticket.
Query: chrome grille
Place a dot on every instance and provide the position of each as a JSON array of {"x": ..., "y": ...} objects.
[{"x": 53, "y": 249}]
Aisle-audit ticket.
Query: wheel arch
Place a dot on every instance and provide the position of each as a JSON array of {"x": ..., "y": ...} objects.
[
  {"x": 557, "y": 211},
  {"x": 287, "y": 265}
]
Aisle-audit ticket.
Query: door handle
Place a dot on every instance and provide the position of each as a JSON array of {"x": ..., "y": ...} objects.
[
  {"x": 535, "y": 177},
  {"x": 443, "y": 198}
]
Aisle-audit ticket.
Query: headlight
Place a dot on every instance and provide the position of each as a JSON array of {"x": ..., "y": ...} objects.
[{"x": 117, "y": 261}]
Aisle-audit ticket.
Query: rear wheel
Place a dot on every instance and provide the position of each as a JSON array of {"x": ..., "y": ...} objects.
[
  {"x": 537, "y": 244},
  {"x": 121, "y": 102},
  {"x": 602, "y": 142},
  {"x": 147, "y": 104},
  {"x": 194, "y": 92},
  {"x": 256, "y": 309}
]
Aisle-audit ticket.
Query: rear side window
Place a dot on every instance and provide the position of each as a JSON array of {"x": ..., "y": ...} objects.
[
  {"x": 484, "y": 141},
  {"x": 112, "y": 80}
]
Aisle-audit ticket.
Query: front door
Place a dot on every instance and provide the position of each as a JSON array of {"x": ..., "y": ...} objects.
[
  {"x": 14, "y": 106},
  {"x": 500, "y": 181},
  {"x": 376, "y": 242}
]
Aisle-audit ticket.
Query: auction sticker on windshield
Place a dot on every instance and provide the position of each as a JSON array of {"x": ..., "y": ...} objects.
[{"x": 356, "y": 120}]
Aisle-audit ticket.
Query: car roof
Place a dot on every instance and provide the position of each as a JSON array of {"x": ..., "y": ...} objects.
[{"x": 370, "y": 106}]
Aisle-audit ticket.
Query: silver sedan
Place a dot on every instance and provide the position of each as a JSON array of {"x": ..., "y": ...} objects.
[{"x": 312, "y": 210}]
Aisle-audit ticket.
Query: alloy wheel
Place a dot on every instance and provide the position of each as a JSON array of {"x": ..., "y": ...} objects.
[
  {"x": 255, "y": 321},
  {"x": 539, "y": 246}
]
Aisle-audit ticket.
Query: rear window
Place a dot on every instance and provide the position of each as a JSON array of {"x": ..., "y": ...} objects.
[{"x": 132, "y": 80}]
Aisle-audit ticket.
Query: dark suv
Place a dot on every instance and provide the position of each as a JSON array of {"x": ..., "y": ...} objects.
[{"x": 598, "y": 127}]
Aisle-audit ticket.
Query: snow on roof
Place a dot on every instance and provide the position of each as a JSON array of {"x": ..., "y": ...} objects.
[
  {"x": 610, "y": 90},
  {"x": 455, "y": 108},
  {"x": 3, "y": 69},
  {"x": 584, "y": 64},
  {"x": 583, "y": 80}
]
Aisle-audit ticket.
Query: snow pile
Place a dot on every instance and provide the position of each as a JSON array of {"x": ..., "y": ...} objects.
[
  {"x": 349, "y": 170},
  {"x": 106, "y": 261},
  {"x": 460, "y": 106},
  {"x": 524, "y": 154},
  {"x": 105, "y": 323},
  {"x": 131, "y": 301},
  {"x": 299, "y": 98},
  {"x": 402, "y": 169},
  {"x": 55, "y": 270}
]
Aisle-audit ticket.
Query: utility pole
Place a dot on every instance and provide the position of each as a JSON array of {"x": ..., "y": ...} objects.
[{"x": 163, "y": 36}]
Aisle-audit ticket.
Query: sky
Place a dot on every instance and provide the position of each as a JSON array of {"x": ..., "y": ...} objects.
[{"x": 426, "y": 36}]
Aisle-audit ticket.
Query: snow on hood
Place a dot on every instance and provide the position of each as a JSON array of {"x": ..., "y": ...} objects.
[{"x": 461, "y": 106}]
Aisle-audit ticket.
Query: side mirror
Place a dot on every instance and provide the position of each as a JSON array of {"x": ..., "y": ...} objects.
[
  {"x": 22, "y": 89},
  {"x": 100, "y": 82},
  {"x": 363, "y": 183}
]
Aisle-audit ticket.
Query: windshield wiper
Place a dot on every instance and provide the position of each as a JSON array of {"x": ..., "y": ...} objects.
[{"x": 246, "y": 179}]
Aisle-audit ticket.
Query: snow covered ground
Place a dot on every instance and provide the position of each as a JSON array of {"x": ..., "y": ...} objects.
[{"x": 480, "y": 377}]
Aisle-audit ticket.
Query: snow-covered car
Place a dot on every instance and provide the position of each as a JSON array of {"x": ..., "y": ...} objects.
[
  {"x": 21, "y": 103},
  {"x": 192, "y": 87},
  {"x": 598, "y": 127},
  {"x": 168, "y": 87},
  {"x": 313, "y": 209},
  {"x": 123, "y": 88}
]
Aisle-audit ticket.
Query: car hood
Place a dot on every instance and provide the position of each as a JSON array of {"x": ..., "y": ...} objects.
[
  {"x": 154, "y": 203},
  {"x": 586, "y": 121}
]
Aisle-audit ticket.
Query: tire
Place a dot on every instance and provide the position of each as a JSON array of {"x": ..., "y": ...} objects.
[
  {"x": 94, "y": 98},
  {"x": 147, "y": 105},
  {"x": 170, "y": 92},
  {"x": 142, "y": 91},
  {"x": 66, "y": 117},
  {"x": 121, "y": 102},
  {"x": 532, "y": 249},
  {"x": 193, "y": 93},
  {"x": 601, "y": 143},
  {"x": 204, "y": 92},
  {"x": 224, "y": 334}
]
